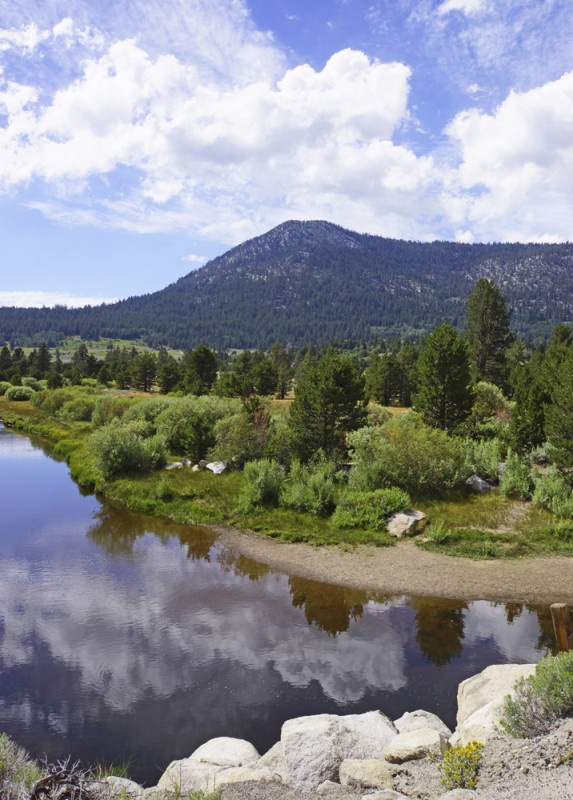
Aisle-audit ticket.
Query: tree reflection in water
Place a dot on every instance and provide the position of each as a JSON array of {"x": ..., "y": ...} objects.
[{"x": 439, "y": 628}]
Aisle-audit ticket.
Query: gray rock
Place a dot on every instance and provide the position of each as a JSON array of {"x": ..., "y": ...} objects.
[
  {"x": 366, "y": 773},
  {"x": 217, "y": 467},
  {"x": 202, "y": 464},
  {"x": 244, "y": 774},
  {"x": 478, "y": 484},
  {"x": 225, "y": 751},
  {"x": 112, "y": 786},
  {"x": 174, "y": 465},
  {"x": 414, "y": 720},
  {"x": 385, "y": 794},
  {"x": 416, "y": 744},
  {"x": 459, "y": 794},
  {"x": 185, "y": 462},
  {"x": 330, "y": 789},
  {"x": 274, "y": 760},
  {"x": 406, "y": 523},
  {"x": 314, "y": 747}
]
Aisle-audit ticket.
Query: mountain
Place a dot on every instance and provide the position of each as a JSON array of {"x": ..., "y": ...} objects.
[{"x": 316, "y": 282}]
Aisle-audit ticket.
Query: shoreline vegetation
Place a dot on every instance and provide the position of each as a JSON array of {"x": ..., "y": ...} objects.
[{"x": 363, "y": 559}]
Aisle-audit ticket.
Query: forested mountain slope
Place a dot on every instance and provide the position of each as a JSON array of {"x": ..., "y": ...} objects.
[{"x": 314, "y": 282}]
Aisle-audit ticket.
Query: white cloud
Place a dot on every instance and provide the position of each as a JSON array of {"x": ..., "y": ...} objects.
[
  {"x": 194, "y": 259},
  {"x": 27, "y": 299},
  {"x": 465, "y": 6}
]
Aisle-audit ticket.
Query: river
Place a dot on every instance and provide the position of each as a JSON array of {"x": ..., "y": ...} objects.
[{"x": 124, "y": 636}]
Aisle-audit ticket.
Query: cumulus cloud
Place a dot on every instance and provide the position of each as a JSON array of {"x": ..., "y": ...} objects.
[{"x": 465, "y": 6}]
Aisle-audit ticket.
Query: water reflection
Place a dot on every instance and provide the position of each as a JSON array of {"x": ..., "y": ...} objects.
[{"x": 145, "y": 638}]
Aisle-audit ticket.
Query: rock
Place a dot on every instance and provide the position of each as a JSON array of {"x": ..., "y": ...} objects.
[
  {"x": 196, "y": 468},
  {"x": 226, "y": 751},
  {"x": 481, "y": 700},
  {"x": 200, "y": 771},
  {"x": 185, "y": 462},
  {"x": 274, "y": 760},
  {"x": 314, "y": 747},
  {"x": 416, "y": 744},
  {"x": 174, "y": 465},
  {"x": 330, "y": 789},
  {"x": 414, "y": 720},
  {"x": 406, "y": 523},
  {"x": 217, "y": 467},
  {"x": 459, "y": 794},
  {"x": 202, "y": 464},
  {"x": 242, "y": 774},
  {"x": 366, "y": 773},
  {"x": 490, "y": 684},
  {"x": 478, "y": 484},
  {"x": 114, "y": 787},
  {"x": 384, "y": 794}
]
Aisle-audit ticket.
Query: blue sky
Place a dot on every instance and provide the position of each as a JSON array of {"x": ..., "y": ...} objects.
[{"x": 139, "y": 138}]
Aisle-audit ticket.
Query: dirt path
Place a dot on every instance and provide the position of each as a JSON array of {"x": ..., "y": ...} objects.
[{"x": 405, "y": 569}]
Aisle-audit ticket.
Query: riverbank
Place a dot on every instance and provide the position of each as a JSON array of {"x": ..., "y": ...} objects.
[{"x": 406, "y": 569}]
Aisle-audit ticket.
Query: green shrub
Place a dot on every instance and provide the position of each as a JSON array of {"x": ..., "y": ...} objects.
[
  {"x": 4, "y": 386},
  {"x": 147, "y": 409},
  {"x": 108, "y": 407},
  {"x": 33, "y": 383},
  {"x": 18, "y": 772},
  {"x": 484, "y": 456},
  {"x": 553, "y": 493},
  {"x": 78, "y": 410},
  {"x": 19, "y": 393},
  {"x": 237, "y": 440},
  {"x": 406, "y": 453},
  {"x": 460, "y": 765},
  {"x": 188, "y": 424},
  {"x": 541, "y": 699},
  {"x": 163, "y": 490},
  {"x": 310, "y": 488},
  {"x": 50, "y": 402},
  {"x": 516, "y": 480},
  {"x": 263, "y": 481},
  {"x": 369, "y": 509},
  {"x": 125, "y": 448},
  {"x": 438, "y": 532}
]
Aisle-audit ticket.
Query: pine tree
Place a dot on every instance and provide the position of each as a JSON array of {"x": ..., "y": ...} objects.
[
  {"x": 559, "y": 417},
  {"x": 487, "y": 332},
  {"x": 444, "y": 397}
]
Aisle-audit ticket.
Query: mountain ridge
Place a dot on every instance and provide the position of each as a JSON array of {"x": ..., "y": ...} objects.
[{"x": 313, "y": 281}]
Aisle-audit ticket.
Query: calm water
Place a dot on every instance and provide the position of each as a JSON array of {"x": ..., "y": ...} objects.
[{"x": 127, "y": 636}]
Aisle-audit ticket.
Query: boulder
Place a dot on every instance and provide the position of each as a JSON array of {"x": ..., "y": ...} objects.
[
  {"x": 406, "y": 523},
  {"x": 186, "y": 462},
  {"x": 478, "y": 484},
  {"x": 414, "y": 720},
  {"x": 459, "y": 794},
  {"x": 217, "y": 467},
  {"x": 481, "y": 700},
  {"x": 274, "y": 760},
  {"x": 314, "y": 747},
  {"x": 202, "y": 464},
  {"x": 331, "y": 790},
  {"x": 112, "y": 786},
  {"x": 201, "y": 770},
  {"x": 365, "y": 773},
  {"x": 421, "y": 743},
  {"x": 242, "y": 774},
  {"x": 174, "y": 465},
  {"x": 196, "y": 468},
  {"x": 385, "y": 794}
]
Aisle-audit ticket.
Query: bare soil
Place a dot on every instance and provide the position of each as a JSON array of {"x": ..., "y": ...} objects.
[{"x": 406, "y": 569}]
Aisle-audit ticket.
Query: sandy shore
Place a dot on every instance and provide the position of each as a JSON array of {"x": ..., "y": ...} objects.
[{"x": 406, "y": 569}]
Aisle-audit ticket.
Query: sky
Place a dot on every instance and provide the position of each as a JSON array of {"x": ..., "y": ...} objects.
[{"x": 141, "y": 138}]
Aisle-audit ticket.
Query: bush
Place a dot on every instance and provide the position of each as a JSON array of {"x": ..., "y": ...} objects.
[
  {"x": 124, "y": 448},
  {"x": 51, "y": 401},
  {"x": 188, "y": 425},
  {"x": 310, "y": 488},
  {"x": 484, "y": 456},
  {"x": 19, "y": 393},
  {"x": 33, "y": 383},
  {"x": 263, "y": 480},
  {"x": 516, "y": 480},
  {"x": 17, "y": 770},
  {"x": 369, "y": 509},
  {"x": 4, "y": 386},
  {"x": 237, "y": 440},
  {"x": 108, "y": 407},
  {"x": 406, "y": 453},
  {"x": 540, "y": 700},
  {"x": 553, "y": 493},
  {"x": 147, "y": 409},
  {"x": 460, "y": 765},
  {"x": 78, "y": 410}
]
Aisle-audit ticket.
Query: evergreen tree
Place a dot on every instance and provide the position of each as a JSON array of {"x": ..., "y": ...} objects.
[
  {"x": 526, "y": 428},
  {"x": 201, "y": 367},
  {"x": 281, "y": 361},
  {"x": 444, "y": 397},
  {"x": 329, "y": 401},
  {"x": 559, "y": 417},
  {"x": 487, "y": 332}
]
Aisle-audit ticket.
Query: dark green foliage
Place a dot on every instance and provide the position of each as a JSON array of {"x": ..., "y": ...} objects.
[
  {"x": 527, "y": 425},
  {"x": 328, "y": 402},
  {"x": 559, "y": 416},
  {"x": 188, "y": 425},
  {"x": 144, "y": 371},
  {"x": 369, "y": 509},
  {"x": 384, "y": 378},
  {"x": 200, "y": 369},
  {"x": 169, "y": 375},
  {"x": 444, "y": 395},
  {"x": 487, "y": 332}
]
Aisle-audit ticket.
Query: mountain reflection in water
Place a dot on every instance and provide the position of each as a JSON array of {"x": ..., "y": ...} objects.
[{"x": 129, "y": 636}]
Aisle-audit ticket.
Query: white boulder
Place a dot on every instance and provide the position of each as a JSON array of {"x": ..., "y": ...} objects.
[
  {"x": 274, "y": 760},
  {"x": 421, "y": 743},
  {"x": 366, "y": 773},
  {"x": 405, "y": 523},
  {"x": 218, "y": 467},
  {"x": 414, "y": 720},
  {"x": 200, "y": 771}
]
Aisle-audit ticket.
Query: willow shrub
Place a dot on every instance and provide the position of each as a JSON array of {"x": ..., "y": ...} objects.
[
  {"x": 108, "y": 407},
  {"x": 406, "y": 453},
  {"x": 19, "y": 393},
  {"x": 310, "y": 488},
  {"x": 126, "y": 448},
  {"x": 517, "y": 480},
  {"x": 552, "y": 492},
  {"x": 263, "y": 481}
]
